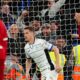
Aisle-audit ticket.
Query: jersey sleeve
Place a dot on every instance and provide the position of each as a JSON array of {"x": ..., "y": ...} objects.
[
  {"x": 3, "y": 35},
  {"x": 56, "y": 7},
  {"x": 3, "y": 32},
  {"x": 48, "y": 45}
]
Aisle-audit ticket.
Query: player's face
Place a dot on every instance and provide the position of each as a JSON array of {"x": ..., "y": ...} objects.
[
  {"x": 77, "y": 17},
  {"x": 5, "y": 9},
  {"x": 28, "y": 35},
  {"x": 54, "y": 27},
  {"x": 36, "y": 25},
  {"x": 60, "y": 43},
  {"x": 14, "y": 30},
  {"x": 46, "y": 31}
]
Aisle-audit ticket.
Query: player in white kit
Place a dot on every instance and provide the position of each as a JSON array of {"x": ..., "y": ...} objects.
[{"x": 34, "y": 49}]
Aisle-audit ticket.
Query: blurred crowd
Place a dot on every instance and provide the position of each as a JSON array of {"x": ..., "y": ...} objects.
[{"x": 57, "y": 21}]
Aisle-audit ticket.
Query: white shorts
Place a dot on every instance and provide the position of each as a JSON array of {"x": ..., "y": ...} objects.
[{"x": 53, "y": 76}]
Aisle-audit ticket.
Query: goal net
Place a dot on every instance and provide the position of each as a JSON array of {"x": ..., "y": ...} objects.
[{"x": 52, "y": 20}]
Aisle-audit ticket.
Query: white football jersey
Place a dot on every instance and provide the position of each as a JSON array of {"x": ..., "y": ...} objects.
[{"x": 36, "y": 52}]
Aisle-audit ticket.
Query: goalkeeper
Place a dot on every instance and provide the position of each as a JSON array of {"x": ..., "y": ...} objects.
[
  {"x": 3, "y": 48},
  {"x": 35, "y": 49}
]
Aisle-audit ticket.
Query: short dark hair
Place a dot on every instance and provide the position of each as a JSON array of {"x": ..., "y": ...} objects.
[
  {"x": 78, "y": 10},
  {"x": 45, "y": 26},
  {"x": 30, "y": 28},
  {"x": 3, "y": 3}
]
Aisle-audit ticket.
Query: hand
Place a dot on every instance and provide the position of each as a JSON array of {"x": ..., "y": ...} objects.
[
  {"x": 58, "y": 68},
  {"x": 24, "y": 13},
  {"x": 74, "y": 35},
  {"x": 49, "y": 79},
  {"x": 27, "y": 76}
]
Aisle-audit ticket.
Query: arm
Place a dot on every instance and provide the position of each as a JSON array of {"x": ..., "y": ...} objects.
[
  {"x": 59, "y": 4},
  {"x": 28, "y": 66},
  {"x": 56, "y": 53},
  {"x": 53, "y": 48},
  {"x": 75, "y": 35},
  {"x": 20, "y": 20},
  {"x": 56, "y": 7}
]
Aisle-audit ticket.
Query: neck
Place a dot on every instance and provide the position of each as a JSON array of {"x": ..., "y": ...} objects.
[{"x": 32, "y": 40}]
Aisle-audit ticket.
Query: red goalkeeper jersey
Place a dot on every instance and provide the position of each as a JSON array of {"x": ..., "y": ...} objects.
[{"x": 3, "y": 40}]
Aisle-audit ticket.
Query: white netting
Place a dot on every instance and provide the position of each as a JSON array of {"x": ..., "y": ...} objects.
[{"x": 51, "y": 21}]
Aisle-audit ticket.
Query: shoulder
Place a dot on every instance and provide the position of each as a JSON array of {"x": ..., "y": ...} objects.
[
  {"x": 26, "y": 46},
  {"x": 2, "y": 25},
  {"x": 1, "y": 22},
  {"x": 40, "y": 40},
  {"x": 39, "y": 35}
]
